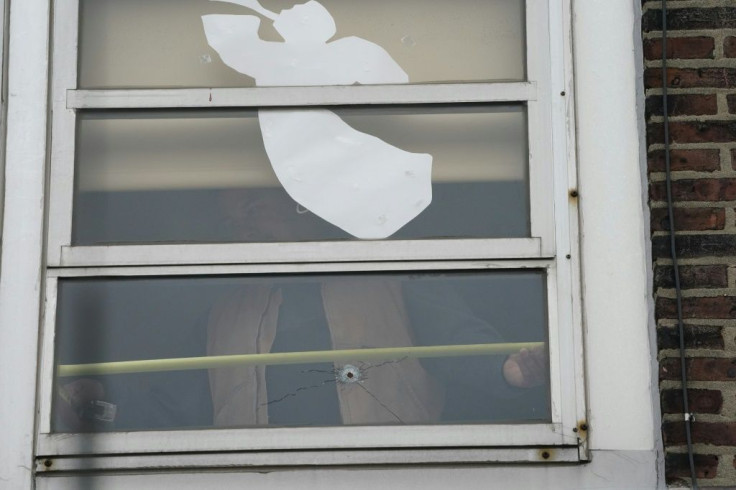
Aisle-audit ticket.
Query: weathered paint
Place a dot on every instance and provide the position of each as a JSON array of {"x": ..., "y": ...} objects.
[
  {"x": 21, "y": 260},
  {"x": 617, "y": 470},
  {"x": 614, "y": 237}
]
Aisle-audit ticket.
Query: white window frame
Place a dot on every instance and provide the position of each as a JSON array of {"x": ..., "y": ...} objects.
[
  {"x": 552, "y": 248},
  {"x": 4, "y": 6}
]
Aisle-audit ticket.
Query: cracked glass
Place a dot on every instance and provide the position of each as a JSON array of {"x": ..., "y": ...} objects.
[{"x": 301, "y": 350}]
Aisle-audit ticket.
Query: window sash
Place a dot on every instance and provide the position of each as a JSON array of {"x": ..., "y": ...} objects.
[
  {"x": 541, "y": 211},
  {"x": 547, "y": 27},
  {"x": 273, "y": 253},
  {"x": 558, "y": 432},
  {"x": 295, "y": 439},
  {"x": 445, "y": 93},
  {"x": 311, "y": 458},
  {"x": 67, "y": 100}
]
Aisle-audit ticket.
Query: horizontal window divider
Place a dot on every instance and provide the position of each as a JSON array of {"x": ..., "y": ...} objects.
[
  {"x": 284, "y": 358},
  {"x": 312, "y": 438},
  {"x": 307, "y": 268},
  {"x": 444, "y": 93},
  {"x": 218, "y": 460},
  {"x": 275, "y": 253}
]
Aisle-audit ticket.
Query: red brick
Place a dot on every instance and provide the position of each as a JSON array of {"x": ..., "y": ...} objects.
[
  {"x": 655, "y": 133},
  {"x": 669, "y": 369},
  {"x": 696, "y": 337},
  {"x": 699, "y": 401},
  {"x": 716, "y": 77},
  {"x": 716, "y": 433},
  {"x": 731, "y": 100},
  {"x": 709, "y": 190},
  {"x": 692, "y": 126},
  {"x": 695, "y": 160},
  {"x": 729, "y": 47},
  {"x": 689, "y": 246},
  {"x": 693, "y": 276},
  {"x": 680, "y": 48},
  {"x": 695, "y": 132},
  {"x": 718, "y": 307},
  {"x": 682, "y": 105},
  {"x": 699, "y": 369},
  {"x": 691, "y": 18},
  {"x": 689, "y": 219},
  {"x": 677, "y": 465}
]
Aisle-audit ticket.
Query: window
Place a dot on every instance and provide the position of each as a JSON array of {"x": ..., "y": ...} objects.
[{"x": 289, "y": 225}]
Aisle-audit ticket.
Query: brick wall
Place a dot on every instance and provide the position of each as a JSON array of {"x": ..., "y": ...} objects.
[{"x": 702, "y": 106}]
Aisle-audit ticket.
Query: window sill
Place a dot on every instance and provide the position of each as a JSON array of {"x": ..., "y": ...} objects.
[{"x": 313, "y": 458}]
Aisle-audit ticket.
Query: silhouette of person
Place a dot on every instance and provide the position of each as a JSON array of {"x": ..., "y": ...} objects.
[
  {"x": 307, "y": 57},
  {"x": 353, "y": 180}
]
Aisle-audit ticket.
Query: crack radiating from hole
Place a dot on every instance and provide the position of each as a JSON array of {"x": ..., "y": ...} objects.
[
  {"x": 382, "y": 404},
  {"x": 364, "y": 369}
]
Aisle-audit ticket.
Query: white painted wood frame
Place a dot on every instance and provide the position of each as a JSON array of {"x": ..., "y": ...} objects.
[
  {"x": 552, "y": 247},
  {"x": 21, "y": 256}
]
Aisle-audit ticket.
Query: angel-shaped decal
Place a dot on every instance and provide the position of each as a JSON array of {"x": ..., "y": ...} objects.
[{"x": 351, "y": 179}]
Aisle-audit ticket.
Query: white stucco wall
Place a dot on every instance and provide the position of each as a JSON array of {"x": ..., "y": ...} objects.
[
  {"x": 614, "y": 232},
  {"x": 20, "y": 263}
]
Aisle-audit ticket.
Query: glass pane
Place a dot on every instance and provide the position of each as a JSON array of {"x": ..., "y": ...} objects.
[
  {"x": 162, "y": 43},
  {"x": 205, "y": 176},
  {"x": 309, "y": 350}
]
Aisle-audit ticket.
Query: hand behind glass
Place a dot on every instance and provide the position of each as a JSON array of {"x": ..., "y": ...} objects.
[
  {"x": 526, "y": 369},
  {"x": 72, "y": 397}
]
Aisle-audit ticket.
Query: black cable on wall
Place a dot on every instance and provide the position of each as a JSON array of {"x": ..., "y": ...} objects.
[{"x": 688, "y": 419}]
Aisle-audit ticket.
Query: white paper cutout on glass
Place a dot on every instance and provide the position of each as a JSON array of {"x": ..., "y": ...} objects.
[{"x": 351, "y": 179}]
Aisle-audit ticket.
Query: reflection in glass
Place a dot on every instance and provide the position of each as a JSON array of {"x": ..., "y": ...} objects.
[
  {"x": 275, "y": 323},
  {"x": 150, "y": 176},
  {"x": 161, "y": 43}
]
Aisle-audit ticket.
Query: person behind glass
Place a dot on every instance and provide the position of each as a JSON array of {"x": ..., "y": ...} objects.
[
  {"x": 323, "y": 312},
  {"x": 319, "y": 312}
]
